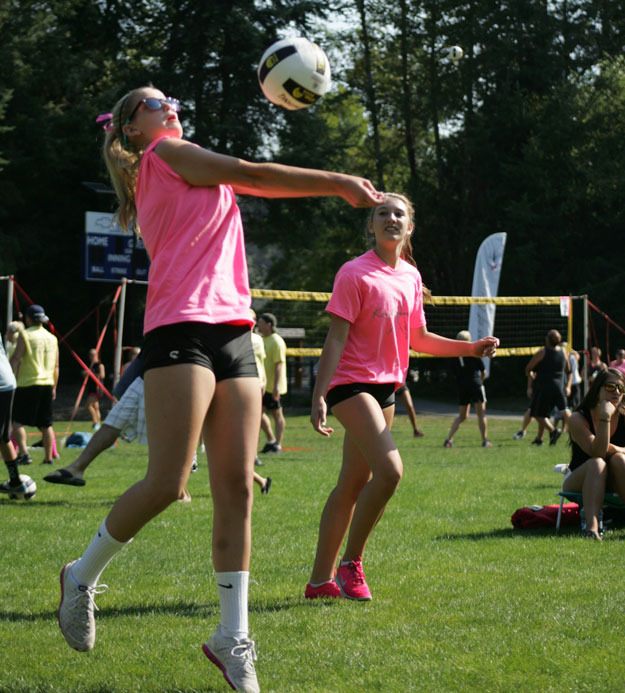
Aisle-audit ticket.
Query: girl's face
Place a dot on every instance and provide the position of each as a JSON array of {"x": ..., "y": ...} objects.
[
  {"x": 146, "y": 122},
  {"x": 391, "y": 223},
  {"x": 612, "y": 390}
]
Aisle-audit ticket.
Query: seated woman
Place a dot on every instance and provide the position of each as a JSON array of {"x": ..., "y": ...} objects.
[{"x": 597, "y": 430}]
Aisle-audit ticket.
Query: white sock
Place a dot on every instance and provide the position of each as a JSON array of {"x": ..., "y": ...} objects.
[
  {"x": 232, "y": 588},
  {"x": 88, "y": 568}
]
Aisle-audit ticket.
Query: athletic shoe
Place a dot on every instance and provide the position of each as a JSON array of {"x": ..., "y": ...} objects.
[
  {"x": 258, "y": 463},
  {"x": 537, "y": 441},
  {"x": 275, "y": 447},
  {"x": 448, "y": 443},
  {"x": 24, "y": 459},
  {"x": 554, "y": 435},
  {"x": 7, "y": 487},
  {"x": 351, "y": 581},
  {"x": 236, "y": 659},
  {"x": 486, "y": 443},
  {"x": 47, "y": 462},
  {"x": 268, "y": 447},
  {"x": 75, "y": 614},
  {"x": 266, "y": 487},
  {"x": 519, "y": 435},
  {"x": 561, "y": 469},
  {"x": 418, "y": 433},
  {"x": 327, "y": 590}
]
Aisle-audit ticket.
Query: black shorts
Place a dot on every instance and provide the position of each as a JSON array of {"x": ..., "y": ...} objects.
[
  {"x": 384, "y": 393},
  {"x": 224, "y": 349},
  {"x": 401, "y": 390},
  {"x": 270, "y": 403},
  {"x": 470, "y": 394},
  {"x": 549, "y": 396},
  {"x": 6, "y": 408},
  {"x": 32, "y": 406}
]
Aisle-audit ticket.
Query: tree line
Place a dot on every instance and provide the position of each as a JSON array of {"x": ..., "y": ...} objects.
[{"x": 526, "y": 134}]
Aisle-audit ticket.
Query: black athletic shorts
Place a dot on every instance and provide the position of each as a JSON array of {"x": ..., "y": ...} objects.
[
  {"x": 224, "y": 349},
  {"x": 384, "y": 393},
  {"x": 270, "y": 403},
  {"x": 32, "y": 406},
  {"x": 6, "y": 408},
  {"x": 470, "y": 394},
  {"x": 549, "y": 396}
]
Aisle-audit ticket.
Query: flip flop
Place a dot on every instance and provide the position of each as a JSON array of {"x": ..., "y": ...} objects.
[{"x": 62, "y": 476}]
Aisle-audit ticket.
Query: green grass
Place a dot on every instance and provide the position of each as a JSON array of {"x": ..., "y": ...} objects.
[{"x": 462, "y": 602}]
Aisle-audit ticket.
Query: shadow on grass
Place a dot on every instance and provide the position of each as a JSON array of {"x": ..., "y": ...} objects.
[
  {"x": 182, "y": 609},
  {"x": 506, "y": 533}
]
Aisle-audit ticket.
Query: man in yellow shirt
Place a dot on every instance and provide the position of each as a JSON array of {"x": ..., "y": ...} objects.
[
  {"x": 35, "y": 363},
  {"x": 275, "y": 373}
]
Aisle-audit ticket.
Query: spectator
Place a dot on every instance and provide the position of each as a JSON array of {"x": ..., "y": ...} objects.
[
  {"x": 597, "y": 431},
  {"x": 470, "y": 374},
  {"x": 550, "y": 365},
  {"x": 14, "y": 329},
  {"x": 92, "y": 389},
  {"x": 276, "y": 384},
  {"x": 596, "y": 365},
  {"x": 35, "y": 363},
  {"x": 7, "y": 451},
  {"x": 404, "y": 393},
  {"x": 619, "y": 361}
]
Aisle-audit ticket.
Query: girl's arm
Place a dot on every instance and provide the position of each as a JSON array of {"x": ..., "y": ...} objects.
[
  {"x": 330, "y": 356},
  {"x": 596, "y": 445},
  {"x": 202, "y": 167},
  {"x": 430, "y": 343}
]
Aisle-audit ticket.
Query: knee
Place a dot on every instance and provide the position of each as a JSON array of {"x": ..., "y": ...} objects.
[
  {"x": 597, "y": 465},
  {"x": 617, "y": 461},
  {"x": 389, "y": 475},
  {"x": 164, "y": 493}
]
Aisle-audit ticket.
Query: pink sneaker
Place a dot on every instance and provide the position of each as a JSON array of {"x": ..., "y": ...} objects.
[
  {"x": 327, "y": 590},
  {"x": 351, "y": 581}
]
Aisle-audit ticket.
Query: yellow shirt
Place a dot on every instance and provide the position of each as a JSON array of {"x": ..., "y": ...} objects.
[
  {"x": 258, "y": 345},
  {"x": 275, "y": 350},
  {"x": 40, "y": 357}
]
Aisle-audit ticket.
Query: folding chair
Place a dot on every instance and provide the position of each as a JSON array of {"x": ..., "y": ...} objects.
[{"x": 610, "y": 500}]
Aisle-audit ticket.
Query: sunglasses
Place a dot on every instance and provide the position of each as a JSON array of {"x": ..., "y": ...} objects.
[
  {"x": 614, "y": 387},
  {"x": 154, "y": 104}
]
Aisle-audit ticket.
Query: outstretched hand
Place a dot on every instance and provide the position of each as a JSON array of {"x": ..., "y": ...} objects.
[
  {"x": 359, "y": 192},
  {"x": 486, "y": 347},
  {"x": 318, "y": 415}
]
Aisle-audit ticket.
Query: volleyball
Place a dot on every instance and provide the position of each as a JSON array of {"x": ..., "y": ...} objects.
[
  {"x": 25, "y": 491},
  {"x": 294, "y": 73},
  {"x": 455, "y": 54}
]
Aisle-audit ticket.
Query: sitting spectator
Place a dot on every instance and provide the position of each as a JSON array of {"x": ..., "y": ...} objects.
[{"x": 597, "y": 431}]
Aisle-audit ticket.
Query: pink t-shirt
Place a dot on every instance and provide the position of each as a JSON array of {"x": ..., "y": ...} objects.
[
  {"x": 384, "y": 305},
  {"x": 194, "y": 237}
]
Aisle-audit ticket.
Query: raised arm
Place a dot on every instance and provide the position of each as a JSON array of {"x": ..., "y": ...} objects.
[
  {"x": 202, "y": 167},
  {"x": 330, "y": 356}
]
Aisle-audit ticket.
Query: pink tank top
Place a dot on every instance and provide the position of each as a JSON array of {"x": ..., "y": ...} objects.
[
  {"x": 194, "y": 237},
  {"x": 383, "y": 306}
]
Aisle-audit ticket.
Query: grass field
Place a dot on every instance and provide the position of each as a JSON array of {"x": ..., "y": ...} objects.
[{"x": 461, "y": 601}]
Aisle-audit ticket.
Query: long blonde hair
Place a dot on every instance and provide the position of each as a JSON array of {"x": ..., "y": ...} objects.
[{"x": 122, "y": 160}]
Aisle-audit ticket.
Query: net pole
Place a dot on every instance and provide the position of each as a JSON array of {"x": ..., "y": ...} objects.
[
  {"x": 117, "y": 362},
  {"x": 586, "y": 345},
  {"x": 9, "y": 300},
  {"x": 569, "y": 324}
]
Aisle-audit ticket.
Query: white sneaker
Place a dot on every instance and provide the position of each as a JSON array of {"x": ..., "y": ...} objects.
[
  {"x": 561, "y": 469},
  {"x": 235, "y": 659},
  {"x": 519, "y": 435},
  {"x": 75, "y": 612}
]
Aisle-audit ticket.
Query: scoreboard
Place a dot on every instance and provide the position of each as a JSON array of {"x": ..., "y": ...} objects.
[{"x": 111, "y": 254}]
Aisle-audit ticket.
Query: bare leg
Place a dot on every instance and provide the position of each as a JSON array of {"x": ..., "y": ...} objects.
[
  {"x": 482, "y": 421},
  {"x": 265, "y": 424},
  {"x": 48, "y": 438},
  {"x": 19, "y": 433},
  {"x": 278, "y": 417},
  {"x": 463, "y": 412},
  {"x": 589, "y": 478},
  {"x": 100, "y": 441},
  {"x": 616, "y": 474},
  {"x": 410, "y": 410},
  {"x": 231, "y": 448},
  {"x": 173, "y": 423}
]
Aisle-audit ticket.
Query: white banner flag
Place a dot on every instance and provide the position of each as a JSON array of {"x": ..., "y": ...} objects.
[{"x": 486, "y": 283}]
